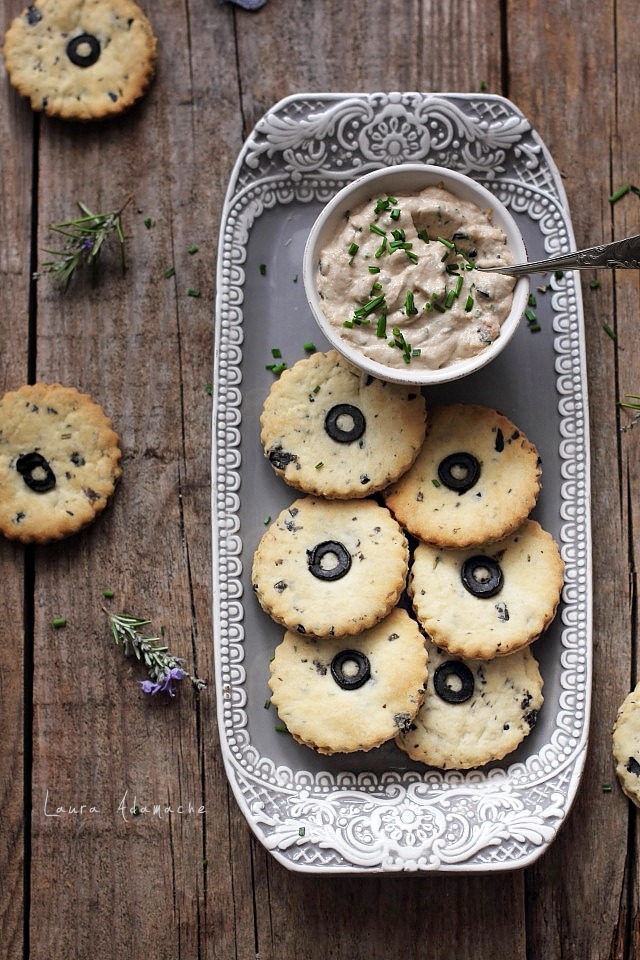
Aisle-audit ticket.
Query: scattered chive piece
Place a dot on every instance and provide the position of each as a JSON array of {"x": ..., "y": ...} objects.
[
  {"x": 395, "y": 214},
  {"x": 301, "y": 831},
  {"x": 449, "y": 244},
  {"x": 310, "y": 347},
  {"x": 458, "y": 286},
  {"x": 276, "y": 353},
  {"x": 276, "y": 368},
  {"x": 435, "y": 482},
  {"x": 375, "y": 229},
  {"x": 606, "y": 788},
  {"x": 148, "y": 222},
  {"x": 266, "y": 520},
  {"x": 170, "y": 272},
  {"x": 468, "y": 304},
  {"x": 209, "y": 389},
  {"x": 381, "y": 328},
  {"x": 263, "y": 269},
  {"x": 381, "y": 249},
  {"x": 409, "y": 304},
  {"x": 423, "y": 235},
  {"x": 532, "y": 300},
  {"x": 319, "y": 465},
  {"x": 58, "y": 622},
  {"x": 295, "y": 279},
  {"x": 450, "y": 297},
  {"x": 267, "y": 703},
  {"x": 192, "y": 249},
  {"x": 620, "y": 192},
  {"x": 193, "y": 292},
  {"x": 108, "y": 594},
  {"x": 316, "y": 389},
  {"x": 372, "y": 269},
  {"x": 352, "y": 249},
  {"x": 280, "y": 728},
  {"x": 558, "y": 274},
  {"x": 610, "y": 332},
  {"x": 530, "y": 315},
  {"x": 594, "y": 284}
]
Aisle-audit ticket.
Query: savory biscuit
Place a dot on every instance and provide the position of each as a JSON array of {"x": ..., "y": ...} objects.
[
  {"x": 332, "y": 431},
  {"x": 626, "y": 745},
  {"x": 474, "y": 711},
  {"x": 338, "y": 695},
  {"x": 330, "y": 567},
  {"x": 488, "y": 601},
  {"x": 59, "y": 462},
  {"x": 81, "y": 59},
  {"x": 476, "y": 478}
]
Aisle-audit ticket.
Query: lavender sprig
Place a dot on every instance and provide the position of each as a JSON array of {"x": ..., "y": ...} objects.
[
  {"x": 85, "y": 237},
  {"x": 164, "y": 668}
]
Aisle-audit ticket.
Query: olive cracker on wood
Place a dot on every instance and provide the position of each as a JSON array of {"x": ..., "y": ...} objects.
[
  {"x": 81, "y": 59},
  {"x": 476, "y": 478},
  {"x": 626, "y": 745},
  {"x": 491, "y": 600},
  {"x": 330, "y": 430},
  {"x": 474, "y": 711},
  {"x": 339, "y": 695},
  {"x": 330, "y": 567},
  {"x": 59, "y": 462}
]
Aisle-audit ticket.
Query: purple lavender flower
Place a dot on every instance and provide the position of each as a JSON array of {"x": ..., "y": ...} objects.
[
  {"x": 87, "y": 244},
  {"x": 165, "y": 684}
]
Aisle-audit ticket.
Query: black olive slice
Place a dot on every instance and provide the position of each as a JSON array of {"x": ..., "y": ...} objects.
[
  {"x": 350, "y": 669},
  {"x": 345, "y": 423},
  {"x": 459, "y": 471},
  {"x": 460, "y": 689},
  {"x": 329, "y": 560},
  {"x": 83, "y": 50},
  {"x": 482, "y": 576},
  {"x": 36, "y": 472}
]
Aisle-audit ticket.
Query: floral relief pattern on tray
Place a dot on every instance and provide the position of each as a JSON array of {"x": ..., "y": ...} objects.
[{"x": 378, "y": 811}]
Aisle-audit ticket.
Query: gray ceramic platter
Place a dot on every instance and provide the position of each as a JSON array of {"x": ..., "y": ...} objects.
[{"x": 378, "y": 811}]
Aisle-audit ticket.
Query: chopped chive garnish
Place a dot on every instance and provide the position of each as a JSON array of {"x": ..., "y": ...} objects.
[
  {"x": 309, "y": 347},
  {"x": 108, "y": 594},
  {"x": 148, "y": 222},
  {"x": 192, "y": 249},
  {"x": 468, "y": 304},
  {"x": 280, "y": 728},
  {"x": 450, "y": 297},
  {"x": 381, "y": 327},
  {"x": 532, "y": 300},
  {"x": 373, "y": 269},
  {"x": 368, "y": 308},
  {"x": 620, "y": 193},
  {"x": 266, "y": 521},
  {"x": 347, "y": 323},
  {"x": 170, "y": 272},
  {"x": 301, "y": 831},
  {"x": 458, "y": 287},
  {"x": 316, "y": 389},
  {"x": 392, "y": 199},
  {"x": 263, "y": 269},
  {"x": 437, "y": 306},
  {"x": 319, "y": 465},
  {"x": 276, "y": 352},
  {"x": 193, "y": 292},
  {"x": 375, "y": 229},
  {"x": 594, "y": 284},
  {"x": 530, "y": 315},
  {"x": 267, "y": 703},
  {"x": 395, "y": 214},
  {"x": 381, "y": 249},
  {"x": 610, "y": 332},
  {"x": 276, "y": 368},
  {"x": 409, "y": 304},
  {"x": 449, "y": 244},
  {"x": 606, "y": 788},
  {"x": 398, "y": 235},
  {"x": 352, "y": 249},
  {"x": 435, "y": 482},
  {"x": 58, "y": 622},
  {"x": 375, "y": 287},
  {"x": 411, "y": 255},
  {"x": 558, "y": 274},
  {"x": 423, "y": 235}
]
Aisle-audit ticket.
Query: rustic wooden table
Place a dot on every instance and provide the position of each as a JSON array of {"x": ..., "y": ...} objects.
[{"x": 106, "y": 884}]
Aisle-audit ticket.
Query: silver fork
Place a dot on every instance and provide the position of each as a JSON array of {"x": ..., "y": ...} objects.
[{"x": 620, "y": 255}]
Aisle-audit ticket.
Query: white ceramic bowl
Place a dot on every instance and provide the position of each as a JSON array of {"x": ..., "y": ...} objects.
[{"x": 403, "y": 179}]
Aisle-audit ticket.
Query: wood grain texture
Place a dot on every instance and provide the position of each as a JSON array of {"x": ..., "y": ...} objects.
[{"x": 127, "y": 879}]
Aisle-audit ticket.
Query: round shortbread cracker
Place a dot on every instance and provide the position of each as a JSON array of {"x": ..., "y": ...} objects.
[
  {"x": 494, "y": 469},
  {"x": 330, "y": 430},
  {"x": 330, "y": 567},
  {"x": 59, "y": 462},
  {"x": 321, "y": 713},
  {"x": 502, "y": 698},
  {"x": 81, "y": 59},
  {"x": 496, "y": 624},
  {"x": 626, "y": 745}
]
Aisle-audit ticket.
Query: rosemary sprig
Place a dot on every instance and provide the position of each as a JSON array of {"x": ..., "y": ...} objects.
[
  {"x": 84, "y": 239},
  {"x": 163, "y": 668}
]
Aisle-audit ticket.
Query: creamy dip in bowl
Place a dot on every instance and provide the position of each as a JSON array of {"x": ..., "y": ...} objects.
[{"x": 389, "y": 273}]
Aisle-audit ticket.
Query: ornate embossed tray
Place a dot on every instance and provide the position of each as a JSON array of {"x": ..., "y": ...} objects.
[{"x": 378, "y": 811}]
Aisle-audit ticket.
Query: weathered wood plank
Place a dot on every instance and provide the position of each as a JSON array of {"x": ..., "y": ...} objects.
[
  {"x": 16, "y": 146},
  {"x": 572, "y": 100}
]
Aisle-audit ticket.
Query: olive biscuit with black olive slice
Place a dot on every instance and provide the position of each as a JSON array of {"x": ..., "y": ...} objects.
[
  {"x": 59, "y": 462},
  {"x": 339, "y": 695},
  {"x": 488, "y": 601},
  {"x": 476, "y": 478},
  {"x": 81, "y": 59},
  {"x": 626, "y": 745},
  {"x": 330, "y": 567},
  {"x": 332, "y": 431},
  {"x": 474, "y": 711}
]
